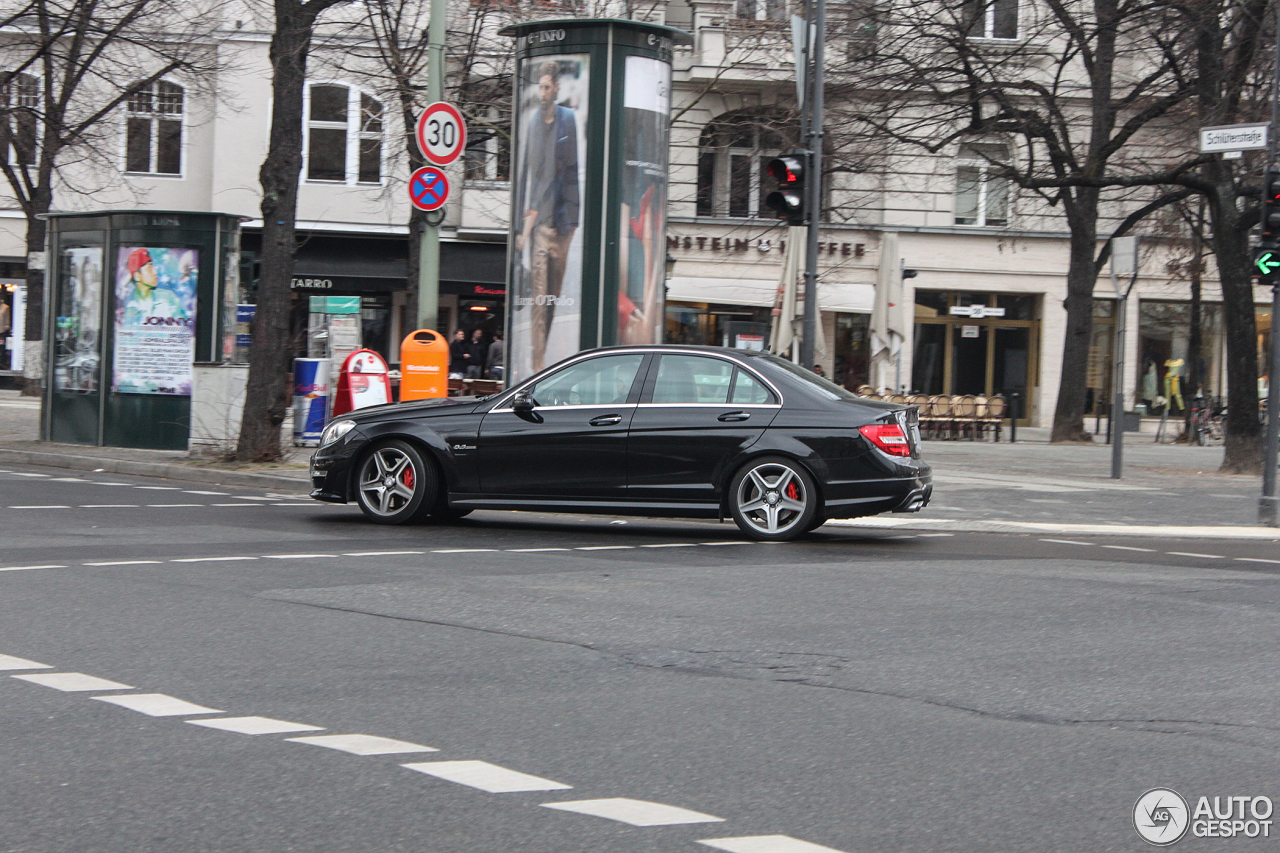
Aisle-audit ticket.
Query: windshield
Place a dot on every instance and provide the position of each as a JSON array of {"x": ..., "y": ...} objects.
[{"x": 826, "y": 388}]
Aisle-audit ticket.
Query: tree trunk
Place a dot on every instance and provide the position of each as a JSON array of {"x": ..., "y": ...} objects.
[
  {"x": 1082, "y": 273},
  {"x": 1231, "y": 246},
  {"x": 268, "y": 389}
]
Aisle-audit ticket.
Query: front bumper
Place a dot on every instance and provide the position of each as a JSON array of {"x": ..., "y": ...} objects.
[{"x": 331, "y": 470}]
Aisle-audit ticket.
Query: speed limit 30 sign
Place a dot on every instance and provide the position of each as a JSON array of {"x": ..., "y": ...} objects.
[{"x": 442, "y": 134}]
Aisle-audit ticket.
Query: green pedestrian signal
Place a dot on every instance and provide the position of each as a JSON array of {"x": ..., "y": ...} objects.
[{"x": 1267, "y": 262}]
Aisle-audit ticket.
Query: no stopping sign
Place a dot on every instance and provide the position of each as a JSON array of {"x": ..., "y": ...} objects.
[
  {"x": 441, "y": 132},
  {"x": 428, "y": 188}
]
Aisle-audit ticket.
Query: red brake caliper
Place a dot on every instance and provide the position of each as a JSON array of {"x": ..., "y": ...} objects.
[
  {"x": 408, "y": 476},
  {"x": 793, "y": 492}
]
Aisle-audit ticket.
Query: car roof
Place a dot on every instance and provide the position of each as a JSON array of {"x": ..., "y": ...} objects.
[{"x": 745, "y": 353}]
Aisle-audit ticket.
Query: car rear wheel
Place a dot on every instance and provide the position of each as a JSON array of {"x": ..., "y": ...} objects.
[
  {"x": 773, "y": 499},
  {"x": 395, "y": 484}
]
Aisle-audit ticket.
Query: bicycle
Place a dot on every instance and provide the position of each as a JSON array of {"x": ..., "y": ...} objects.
[{"x": 1208, "y": 422}]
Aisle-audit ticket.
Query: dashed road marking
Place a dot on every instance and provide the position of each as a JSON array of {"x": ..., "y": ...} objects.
[
  {"x": 28, "y": 568},
  {"x": 1255, "y": 560},
  {"x": 210, "y": 559},
  {"x": 673, "y": 545},
  {"x": 251, "y": 498},
  {"x": 735, "y": 542},
  {"x": 46, "y": 506},
  {"x": 363, "y": 744},
  {"x": 1192, "y": 554},
  {"x": 232, "y": 504},
  {"x": 198, "y": 492},
  {"x": 31, "y": 475},
  {"x": 534, "y": 550},
  {"x": 634, "y": 812},
  {"x": 157, "y": 705},
  {"x": 922, "y": 536},
  {"x": 164, "y": 506},
  {"x": 159, "y": 488},
  {"x": 10, "y": 662},
  {"x": 1129, "y": 548},
  {"x": 296, "y": 556},
  {"x": 125, "y": 563},
  {"x": 108, "y": 506},
  {"x": 255, "y": 725},
  {"x": 486, "y": 776},
  {"x": 766, "y": 844},
  {"x": 72, "y": 682},
  {"x": 604, "y": 547},
  {"x": 105, "y": 483},
  {"x": 1067, "y": 542},
  {"x": 380, "y": 553},
  {"x": 461, "y": 550},
  {"x": 66, "y": 480}
]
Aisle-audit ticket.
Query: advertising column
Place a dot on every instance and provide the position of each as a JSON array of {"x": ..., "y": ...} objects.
[{"x": 591, "y": 122}]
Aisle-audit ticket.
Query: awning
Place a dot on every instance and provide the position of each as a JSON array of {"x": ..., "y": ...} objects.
[{"x": 832, "y": 295}]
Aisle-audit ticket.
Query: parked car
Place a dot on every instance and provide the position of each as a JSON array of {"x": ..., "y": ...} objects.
[{"x": 672, "y": 431}]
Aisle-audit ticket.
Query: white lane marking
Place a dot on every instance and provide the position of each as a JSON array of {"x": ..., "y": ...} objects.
[
  {"x": 1067, "y": 542},
  {"x": 50, "y": 506},
  {"x": 28, "y": 568},
  {"x": 1255, "y": 560},
  {"x": 255, "y": 725},
  {"x": 317, "y": 503},
  {"x": 604, "y": 547},
  {"x": 125, "y": 563},
  {"x": 10, "y": 662},
  {"x": 157, "y": 705},
  {"x": 71, "y": 682},
  {"x": 766, "y": 844},
  {"x": 210, "y": 559},
  {"x": 485, "y": 776},
  {"x": 743, "y": 542},
  {"x": 232, "y": 504},
  {"x": 363, "y": 744},
  {"x": 380, "y": 553},
  {"x": 462, "y": 550},
  {"x": 295, "y": 556},
  {"x": 198, "y": 492},
  {"x": 159, "y": 488},
  {"x": 66, "y": 480},
  {"x": 161, "y": 506},
  {"x": 921, "y": 536},
  {"x": 1129, "y": 548},
  {"x": 251, "y": 498},
  {"x": 634, "y": 812},
  {"x": 30, "y": 475},
  {"x": 531, "y": 550},
  {"x": 1192, "y": 554},
  {"x": 108, "y": 506},
  {"x": 105, "y": 483},
  {"x": 672, "y": 545}
]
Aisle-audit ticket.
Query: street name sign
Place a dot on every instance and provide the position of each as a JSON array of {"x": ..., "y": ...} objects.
[
  {"x": 442, "y": 133},
  {"x": 1233, "y": 137},
  {"x": 428, "y": 188}
]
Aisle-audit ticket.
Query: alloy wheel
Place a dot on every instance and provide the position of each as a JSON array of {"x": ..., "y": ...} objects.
[
  {"x": 772, "y": 498},
  {"x": 388, "y": 481}
]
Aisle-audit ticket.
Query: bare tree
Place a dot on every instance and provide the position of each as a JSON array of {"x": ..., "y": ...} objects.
[
  {"x": 69, "y": 66},
  {"x": 267, "y": 389}
]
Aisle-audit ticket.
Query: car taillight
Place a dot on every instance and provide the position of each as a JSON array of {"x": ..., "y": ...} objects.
[{"x": 887, "y": 437}]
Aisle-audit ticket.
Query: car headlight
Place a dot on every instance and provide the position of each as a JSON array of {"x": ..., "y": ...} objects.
[{"x": 335, "y": 431}]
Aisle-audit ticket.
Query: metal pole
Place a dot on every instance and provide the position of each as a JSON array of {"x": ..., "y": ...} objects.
[
  {"x": 1268, "y": 515},
  {"x": 814, "y": 206},
  {"x": 1117, "y": 404},
  {"x": 1014, "y": 400},
  {"x": 429, "y": 256}
]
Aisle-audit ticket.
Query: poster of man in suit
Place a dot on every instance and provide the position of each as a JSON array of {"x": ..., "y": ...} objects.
[{"x": 546, "y": 258}]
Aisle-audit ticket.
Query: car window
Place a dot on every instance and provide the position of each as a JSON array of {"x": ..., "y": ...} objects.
[
  {"x": 747, "y": 390},
  {"x": 602, "y": 381},
  {"x": 825, "y": 387},
  {"x": 692, "y": 379}
]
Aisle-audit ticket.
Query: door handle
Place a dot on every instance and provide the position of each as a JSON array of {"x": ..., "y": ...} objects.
[
  {"x": 606, "y": 420},
  {"x": 734, "y": 416}
]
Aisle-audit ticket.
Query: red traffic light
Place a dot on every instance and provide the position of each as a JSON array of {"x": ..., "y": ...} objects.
[{"x": 786, "y": 170}]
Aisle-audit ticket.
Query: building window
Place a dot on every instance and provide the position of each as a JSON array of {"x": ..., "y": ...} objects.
[
  {"x": 21, "y": 98},
  {"x": 982, "y": 194},
  {"x": 761, "y": 10},
  {"x": 863, "y": 25},
  {"x": 153, "y": 135},
  {"x": 487, "y": 156},
  {"x": 732, "y": 157},
  {"x": 992, "y": 19},
  {"x": 344, "y": 135}
]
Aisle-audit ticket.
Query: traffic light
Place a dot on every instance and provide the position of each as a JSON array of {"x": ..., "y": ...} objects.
[
  {"x": 788, "y": 200},
  {"x": 1271, "y": 210}
]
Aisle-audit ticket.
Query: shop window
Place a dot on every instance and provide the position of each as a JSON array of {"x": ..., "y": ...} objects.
[
  {"x": 344, "y": 135},
  {"x": 1262, "y": 323},
  {"x": 991, "y": 19},
  {"x": 732, "y": 157},
  {"x": 1098, "y": 393},
  {"x": 982, "y": 193},
  {"x": 21, "y": 99},
  {"x": 853, "y": 354},
  {"x": 153, "y": 130},
  {"x": 1169, "y": 370}
]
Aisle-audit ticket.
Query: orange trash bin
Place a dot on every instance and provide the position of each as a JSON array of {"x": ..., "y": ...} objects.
[{"x": 424, "y": 366}]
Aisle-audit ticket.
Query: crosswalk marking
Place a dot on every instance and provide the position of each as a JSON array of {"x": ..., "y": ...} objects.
[
  {"x": 72, "y": 682},
  {"x": 10, "y": 662},
  {"x": 255, "y": 725},
  {"x": 157, "y": 705},
  {"x": 363, "y": 744},
  {"x": 766, "y": 844},
  {"x": 634, "y": 812},
  {"x": 485, "y": 776}
]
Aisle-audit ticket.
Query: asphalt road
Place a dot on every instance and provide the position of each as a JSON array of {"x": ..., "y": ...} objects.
[{"x": 857, "y": 690}]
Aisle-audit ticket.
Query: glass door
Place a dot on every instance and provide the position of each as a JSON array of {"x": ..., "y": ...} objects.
[{"x": 75, "y": 392}]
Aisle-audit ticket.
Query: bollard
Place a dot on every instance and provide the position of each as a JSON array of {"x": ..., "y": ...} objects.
[{"x": 1014, "y": 399}]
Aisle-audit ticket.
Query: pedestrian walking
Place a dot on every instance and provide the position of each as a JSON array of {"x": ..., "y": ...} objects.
[
  {"x": 459, "y": 354},
  {"x": 496, "y": 359},
  {"x": 476, "y": 351}
]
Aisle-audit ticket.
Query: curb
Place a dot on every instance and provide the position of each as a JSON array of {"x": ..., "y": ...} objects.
[
  {"x": 165, "y": 470},
  {"x": 1025, "y": 527}
]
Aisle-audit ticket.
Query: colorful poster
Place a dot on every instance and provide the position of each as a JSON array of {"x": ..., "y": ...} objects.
[
  {"x": 76, "y": 325},
  {"x": 155, "y": 321},
  {"x": 642, "y": 243},
  {"x": 546, "y": 255}
]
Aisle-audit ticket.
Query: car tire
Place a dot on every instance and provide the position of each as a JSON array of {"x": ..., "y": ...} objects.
[
  {"x": 774, "y": 499},
  {"x": 394, "y": 483}
]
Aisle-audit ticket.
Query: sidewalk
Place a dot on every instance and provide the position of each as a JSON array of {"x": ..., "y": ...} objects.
[{"x": 1031, "y": 486}]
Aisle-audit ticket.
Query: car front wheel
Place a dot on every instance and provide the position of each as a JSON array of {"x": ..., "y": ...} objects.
[
  {"x": 395, "y": 484},
  {"x": 773, "y": 499}
]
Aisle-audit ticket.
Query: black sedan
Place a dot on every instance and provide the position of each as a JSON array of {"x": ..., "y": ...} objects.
[{"x": 669, "y": 431}]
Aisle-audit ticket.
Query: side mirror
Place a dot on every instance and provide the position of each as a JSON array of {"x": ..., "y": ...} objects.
[{"x": 522, "y": 403}]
